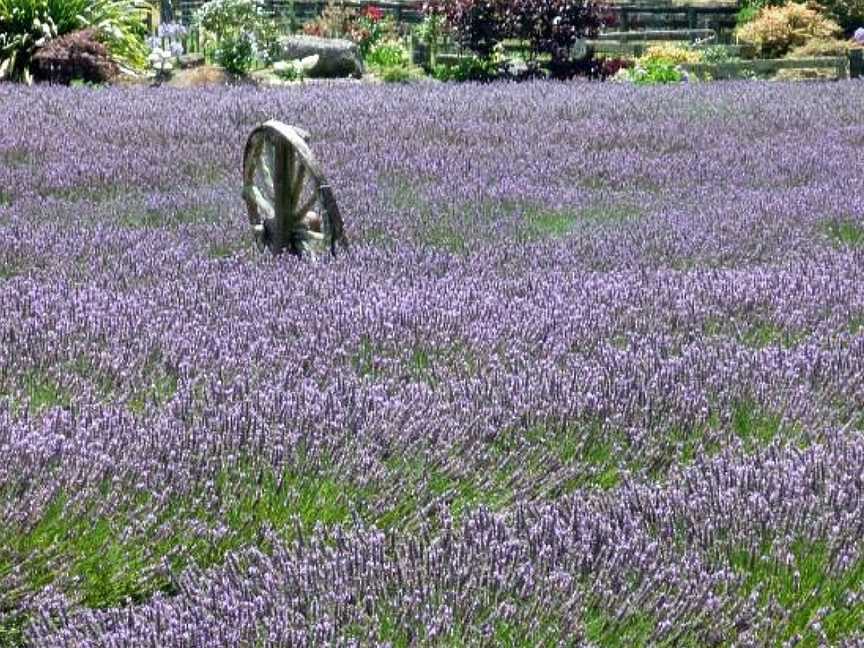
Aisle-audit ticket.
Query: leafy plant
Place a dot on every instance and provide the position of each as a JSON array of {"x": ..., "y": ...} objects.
[
  {"x": 716, "y": 54},
  {"x": 673, "y": 54},
  {"x": 550, "y": 28},
  {"x": 654, "y": 72},
  {"x": 295, "y": 70},
  {"x": 27, "y": 25},
  {"x": 848, "y": 13},
  {"x": 429, "y": 33},
  {"x": 400, "y": 73},
  {"x": 221, "y": 18},
  {"x": 468, "y": 68},
  {"x": 777, "y": 30},
  {"x": 364, "y": 28},
  {"x": 609, "y": 67},
  {"x": 236, "y": 53},
  {"x": 224, "y": 23},
  {"x": 388, "y": 54},
  {"x": 820, "y": 47}
]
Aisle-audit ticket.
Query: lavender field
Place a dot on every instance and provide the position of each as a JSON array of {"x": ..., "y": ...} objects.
[{"x": 592, "y": 373}]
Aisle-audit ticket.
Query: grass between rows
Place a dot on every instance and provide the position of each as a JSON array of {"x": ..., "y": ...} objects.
[{"x": 125, "y": 556}]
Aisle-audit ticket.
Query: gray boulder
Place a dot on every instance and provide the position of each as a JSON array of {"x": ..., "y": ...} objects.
[{"x": 336, "y": 57}]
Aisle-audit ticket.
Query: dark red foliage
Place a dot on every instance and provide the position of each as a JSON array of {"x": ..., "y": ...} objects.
[
  {"x": 74, "y": 56},
  {"x": 548, "y": 26}
]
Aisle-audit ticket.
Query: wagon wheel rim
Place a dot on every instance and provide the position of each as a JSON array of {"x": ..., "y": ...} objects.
[{"x": 289, "y": 203}]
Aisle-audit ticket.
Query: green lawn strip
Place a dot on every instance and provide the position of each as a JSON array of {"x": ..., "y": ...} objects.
[
  {"x": 162, "y": 385},
  {"x": 40, "y": 392},
  {"x": 531, "y": 622},
  {"x": 418, "y": 362},
  {"x": 539, "y": 223},
  {"x": 802, "y": 589},
  {"x": 108, "y": 559},
  {"x": 844, "y": 232},
  {"x": 759, "y": 334}
]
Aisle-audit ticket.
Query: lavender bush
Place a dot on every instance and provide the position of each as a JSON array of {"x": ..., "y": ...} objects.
[{"x": 592, "y": 373}]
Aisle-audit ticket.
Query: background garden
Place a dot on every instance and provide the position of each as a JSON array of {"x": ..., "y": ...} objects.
[{"x": 275, "y": 42}]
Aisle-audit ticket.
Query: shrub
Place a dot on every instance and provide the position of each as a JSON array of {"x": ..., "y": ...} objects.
[
  {"x": 402, "y": 73},
  {"x": 222, "y": 18},
  {"x": 236, "y": 53},
  {"x": 820, "y": 47},
  {"x": 671, "y": 53},
  {"x": 429, "y": 33},
  {"x": 365, "y": 28},
  {"x": 776, "y": 30},
  {"x": 655, "y": 72},
  {"x": 226, "y": 21},
  {"x": 716, "y": 54},
  {"x": 609, "y": 67},
  {"x": 849, "y": 13},
  {"x": 549, "y": 27},
  {"x": 468, "y": 68},
  {"x": 27, "y": 25},
  {"x": 295, "y": 70},
  {"x": 388, "y": 54}
]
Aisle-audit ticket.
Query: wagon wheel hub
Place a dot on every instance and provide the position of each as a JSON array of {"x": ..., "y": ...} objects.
[{"x": 290, "y": 204}]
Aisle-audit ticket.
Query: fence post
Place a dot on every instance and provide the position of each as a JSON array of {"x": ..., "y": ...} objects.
[
  {"x": 856, "y": 63},
  {"x": 691, "y": 17},
  {"x": 625, "y": 20}
]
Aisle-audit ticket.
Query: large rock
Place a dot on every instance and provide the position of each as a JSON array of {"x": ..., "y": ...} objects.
[
  {"x": 74, "y": 56},
  {"x": 336, "y": 57}
]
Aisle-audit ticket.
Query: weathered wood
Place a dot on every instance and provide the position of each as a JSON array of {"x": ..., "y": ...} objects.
[
  {"x": 657, "y": 35},
  {"x": 856, "y": 63},
  {"x": 768, "y": 66},
  {"x": 282, "y": 224}
]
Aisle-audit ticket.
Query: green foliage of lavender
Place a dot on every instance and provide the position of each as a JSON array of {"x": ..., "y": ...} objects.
[{"x": 592, "y": 372}]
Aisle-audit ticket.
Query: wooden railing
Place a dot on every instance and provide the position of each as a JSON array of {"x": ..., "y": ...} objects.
[
  {"x": 625, "y": 13},
  {"x": 301, "y": 11},
  {"x": 843, "y": 66}
]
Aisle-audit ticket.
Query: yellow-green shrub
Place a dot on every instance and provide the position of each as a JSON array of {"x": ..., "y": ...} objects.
[
  {"x": 820, "y": 47},
  {"x": 670, "y": 53},
  {"x": 776, "y": 30}
]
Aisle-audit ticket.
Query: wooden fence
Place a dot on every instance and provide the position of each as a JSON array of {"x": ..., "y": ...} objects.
[
  {"x": 298, "y": 12},
  {"x": 843, "y": 67},
  {"x": 637, "y": 16}
]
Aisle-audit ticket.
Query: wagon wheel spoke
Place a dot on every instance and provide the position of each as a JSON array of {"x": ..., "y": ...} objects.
[
  {"x": 297, "y": 190},
  {"x": 309, "y": 204},
  {"x": 264, "y": 171}
]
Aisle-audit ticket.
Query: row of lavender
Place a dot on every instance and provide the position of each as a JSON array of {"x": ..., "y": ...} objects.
[{"x": 592, "y": 370}]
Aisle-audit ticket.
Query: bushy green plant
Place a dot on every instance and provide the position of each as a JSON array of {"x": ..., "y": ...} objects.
[
  {"x": 429, "y": 33},
  {"x": 388, "y": 54},
  {"x": 654, "y": 72},
  {"x": 222, "y": 18},
  {"x": 468, "y": 68},
  {"x": 236, "y": 53},
  {"x": 27, "y": 25},
  {"x": 401, "y": 73},
  {"x": 716, "y": 54},
  {"x": 224, "y": 21},
  {"x": 296, "y": 69}
]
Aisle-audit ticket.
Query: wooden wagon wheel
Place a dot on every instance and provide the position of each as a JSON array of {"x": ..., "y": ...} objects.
[{"x": 291, "y": 206}]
